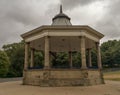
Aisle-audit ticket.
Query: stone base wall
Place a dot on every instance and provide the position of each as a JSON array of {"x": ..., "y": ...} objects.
[{"x": 63, "y": 77}]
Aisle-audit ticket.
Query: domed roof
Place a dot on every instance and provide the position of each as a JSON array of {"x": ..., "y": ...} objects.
[
  {"x": 61, "y": 19},
  {"x": 61, "y": 15}
]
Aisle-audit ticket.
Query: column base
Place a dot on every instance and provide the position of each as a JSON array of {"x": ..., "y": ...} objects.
[
  {"x": 25, "y": 69},
  {"x": 84, "y": 68},
  {"x": 46, "y": 67},
  {"x": 99, "y": 68}
]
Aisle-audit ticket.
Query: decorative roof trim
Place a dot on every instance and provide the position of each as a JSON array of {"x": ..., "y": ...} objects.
[{"x": 60, "y": 27}]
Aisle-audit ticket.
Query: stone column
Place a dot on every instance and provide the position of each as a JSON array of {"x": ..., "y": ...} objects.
[
  {"x": 50, "y": 59},
  {"x": 89, "y": 58},
  {"x": 26, "y": 56},
  {"x": 32, "y": 58},
  {"x": 98, "y": 56},
  {"x": 83, "y": 53},
  {"x": 46, "y": 55},
  {"x": 70, "y": 59}
]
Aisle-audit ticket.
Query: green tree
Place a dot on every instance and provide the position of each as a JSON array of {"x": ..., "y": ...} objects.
[
  {"x": 111, "y": 53},
  {"x": 39, "y": 59},
  {"x": 76, "y": 59},
  {"x": 15, "y": 53},
  {"x": 60, "y": 60},
  {"x": 4, "y": 64}
]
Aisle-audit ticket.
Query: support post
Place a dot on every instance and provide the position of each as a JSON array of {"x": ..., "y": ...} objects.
[
  {"x": 32, "y": 58},
  {"x": 83, "y": 53},
  {"x": 70, "y": 59},
  {"x": 98, "y": 56},
  {"x": 26, "y": 56},
  {"x": 89, "y": 58},
  {"x": 50, "y": 59},
  {"x": 47, "y": 63}
]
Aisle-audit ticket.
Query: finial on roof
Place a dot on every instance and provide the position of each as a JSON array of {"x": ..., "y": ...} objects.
[
  {"x": 61, "y": 18},
  {"x": 61, "y": 9}
]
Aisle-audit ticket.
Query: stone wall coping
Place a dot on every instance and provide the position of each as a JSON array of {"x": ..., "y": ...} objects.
[{"x": 63, "y": 69}]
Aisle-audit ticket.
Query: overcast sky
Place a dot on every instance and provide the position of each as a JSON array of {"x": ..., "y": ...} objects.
[{"x": 20, "y": 16}]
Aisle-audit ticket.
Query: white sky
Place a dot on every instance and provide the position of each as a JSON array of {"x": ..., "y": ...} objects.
[{"x": 20, "y": 16}]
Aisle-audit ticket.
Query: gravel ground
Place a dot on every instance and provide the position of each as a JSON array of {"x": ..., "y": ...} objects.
[{"x": 16, "y": 88}]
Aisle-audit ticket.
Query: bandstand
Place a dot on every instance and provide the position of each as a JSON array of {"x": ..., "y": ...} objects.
[{"x": 62, "y": 36}]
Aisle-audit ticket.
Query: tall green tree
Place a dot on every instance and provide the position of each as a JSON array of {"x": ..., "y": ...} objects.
[
  {"x": 4, "y": 64},
  {"x": 15, "y": 53},
  {"x": 111, "y": 53}
]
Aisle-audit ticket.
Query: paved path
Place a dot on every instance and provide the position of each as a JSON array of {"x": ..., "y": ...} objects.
[{"x": 10, "y": 79}]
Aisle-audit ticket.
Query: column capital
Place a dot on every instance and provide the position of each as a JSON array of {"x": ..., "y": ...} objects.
[
  {"x": 97, "y": 43},
  {"x": 89, "y": 49},
  {"x": 47, "y": 36},
  {"x": 32, "y": 49},
  {"x": 27, "y": 42},
  {"x": 82, "y": 36}
]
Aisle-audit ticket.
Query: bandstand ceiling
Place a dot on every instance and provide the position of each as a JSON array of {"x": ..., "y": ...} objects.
[{"x": 62, "y": 44}]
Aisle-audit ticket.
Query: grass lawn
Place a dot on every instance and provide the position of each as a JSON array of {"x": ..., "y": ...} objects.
[{"x": 112, "y": 75}]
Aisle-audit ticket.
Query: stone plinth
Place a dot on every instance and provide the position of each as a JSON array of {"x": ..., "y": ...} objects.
[{"x": 63, "y": 77}]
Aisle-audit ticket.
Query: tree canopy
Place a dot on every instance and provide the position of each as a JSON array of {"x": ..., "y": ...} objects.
[
  {"x": 111, "y": 53},
  {"x": 4, "y": 64},
  {"x": 15, "y": 53}
]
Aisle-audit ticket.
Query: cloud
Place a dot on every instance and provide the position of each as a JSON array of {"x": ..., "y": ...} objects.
[
  {"x": 17, "y": 17},
  {"x": 109, "y": 25},
  {"x": 27, "y": 12},
  {"x": 103, "y": 15},
  {"x": 70, "y": 4}
]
